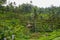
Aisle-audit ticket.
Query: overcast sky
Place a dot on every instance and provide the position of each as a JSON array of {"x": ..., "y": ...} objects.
[{"x": 39, "y": 3}]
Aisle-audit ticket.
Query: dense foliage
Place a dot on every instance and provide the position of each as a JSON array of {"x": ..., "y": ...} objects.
[{"x": 14, "y": 20}]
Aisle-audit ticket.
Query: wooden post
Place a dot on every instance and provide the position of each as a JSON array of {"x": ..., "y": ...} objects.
[
  {"x": 5, "y": 38},
  {"x": 13, "y": 37}
]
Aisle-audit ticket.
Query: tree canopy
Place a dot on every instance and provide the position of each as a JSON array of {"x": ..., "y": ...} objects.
[{"x": 2, "y": 1}]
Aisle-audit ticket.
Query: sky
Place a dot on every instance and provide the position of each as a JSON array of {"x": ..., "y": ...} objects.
[{"x": 39, "y": 3}]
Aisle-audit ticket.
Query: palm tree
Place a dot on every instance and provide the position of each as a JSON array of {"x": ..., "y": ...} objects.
[
  {"x": 34, "y": 17},
  {"x": 30, "y": 1}
]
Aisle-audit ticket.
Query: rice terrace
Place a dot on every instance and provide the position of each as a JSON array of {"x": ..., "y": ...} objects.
[{"x": 28, "y": 21}]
